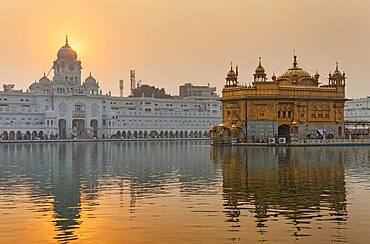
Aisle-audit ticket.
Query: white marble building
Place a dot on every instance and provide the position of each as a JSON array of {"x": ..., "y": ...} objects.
[
  {"x": 357, "y": 109},
  {"x": 65, "y": 107}
]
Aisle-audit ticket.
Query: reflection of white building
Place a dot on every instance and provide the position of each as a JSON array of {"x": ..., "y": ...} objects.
[{"x": 65, "y": 107}]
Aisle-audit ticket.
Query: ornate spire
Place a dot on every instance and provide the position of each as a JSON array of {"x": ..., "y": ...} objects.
[
  {"x": 237, "y": 70},
  {"x": 259, "y": 61},
  {"x": 273, "y": 76},
  {"x": 295, "y": 61},
  {"x": 231, "y": 65},
  {"x": 336, "y": 67},
  {"x": 66, "y": 39}
]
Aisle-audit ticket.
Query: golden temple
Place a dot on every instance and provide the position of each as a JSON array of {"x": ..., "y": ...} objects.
[{"x": 292, "y": 105}]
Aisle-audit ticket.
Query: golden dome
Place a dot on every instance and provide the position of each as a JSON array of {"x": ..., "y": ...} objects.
[
  {"x": 231, "y": 74},
  {"x": 260, "y": 69},
  {"x": 295, "y": 73},
  {"x": 337, "y": 73}
]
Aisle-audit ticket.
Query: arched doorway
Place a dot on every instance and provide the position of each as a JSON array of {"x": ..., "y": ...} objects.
[
  {"x": 19, "y": 135},
  {"x": 27, "y": 136},
  {"x": 41, "y": 134},
  {"x": 340, "y": 131},
  {"x": 78, "y": 126},
  {"x": 12, "y": 135},
  {"x": 34, "y": 135},
  {"x": 62, "y": 125},
  {"x": 124, "y": 134},
  {"x": 94, "y": 127},
  {"x": 153, "y": 134},
  {"x": 284, "y": 130},
  {"x": 118, "y": 135},
  {"x": 129, "y": 134},
  {"x": 5, "y": 135}
]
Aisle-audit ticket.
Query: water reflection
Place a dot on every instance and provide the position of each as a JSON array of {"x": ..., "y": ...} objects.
[
  {"x": 58, "y": 177},
  {"x": 145, "y": 191},
  {"x": 295, "y": 183}
]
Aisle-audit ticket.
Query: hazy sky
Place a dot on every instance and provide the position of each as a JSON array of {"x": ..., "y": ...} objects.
[{"x": 169, "y": 42}]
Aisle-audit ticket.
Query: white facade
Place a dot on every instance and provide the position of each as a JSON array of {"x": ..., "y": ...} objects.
[
  {"x": 357, "y": 109},
  {"x": 66, "y": 107}
]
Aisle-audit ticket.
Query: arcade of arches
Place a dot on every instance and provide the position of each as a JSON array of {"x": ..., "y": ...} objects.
[
  {"x": 142, "y": 134},
  {"x": 125, "y": 134}
]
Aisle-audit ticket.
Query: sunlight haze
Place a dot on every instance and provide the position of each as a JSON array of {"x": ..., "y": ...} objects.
[{"x": 172, "y": 42}]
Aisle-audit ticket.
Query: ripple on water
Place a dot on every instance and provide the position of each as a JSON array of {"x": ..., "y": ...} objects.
[{"x": 182, "y": 192}]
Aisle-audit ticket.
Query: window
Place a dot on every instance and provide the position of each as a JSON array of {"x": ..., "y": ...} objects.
[{"x": 78, "y": 107}]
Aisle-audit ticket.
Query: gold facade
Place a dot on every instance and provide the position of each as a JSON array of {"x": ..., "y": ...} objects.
[{"x": 294, "y": 104}]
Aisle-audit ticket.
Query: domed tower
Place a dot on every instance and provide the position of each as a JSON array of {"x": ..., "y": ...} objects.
[
  {"x": 67, "y": 69},
  {"x": 91, "y": 85},
  {"x": 232, "y": 76},
  {"x": 259, "y": 74},
  {"x": 337, "y": 78}
]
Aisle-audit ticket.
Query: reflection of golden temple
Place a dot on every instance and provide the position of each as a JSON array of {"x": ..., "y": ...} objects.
[
  {"x": 291, "y": 105},
  {"x": 272, "y": 182}
]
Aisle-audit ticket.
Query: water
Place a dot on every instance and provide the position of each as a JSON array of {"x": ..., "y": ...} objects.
[{"x": 183, "y": 192}]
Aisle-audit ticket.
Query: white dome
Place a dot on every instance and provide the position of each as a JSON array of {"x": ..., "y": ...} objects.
[
  {"x": 44, "y": 81},
  {"x": 90, "y": 80},
  {"x": 34, "y": 86},
  {"x": 66, "y": 52}
]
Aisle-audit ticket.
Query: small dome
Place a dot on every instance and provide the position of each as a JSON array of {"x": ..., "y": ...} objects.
[
  {"x": 66, "y": 52},
  {"x": 50, "y": 114},
  {"x": 231, "y": 74},
  {"x": 44, "y": 81},
  {"x": 34, "y": 86},
  {"x": 90, "y": 80},
  {"x": 337, "y": 73},
  {"x": 260, "y": 69}
]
